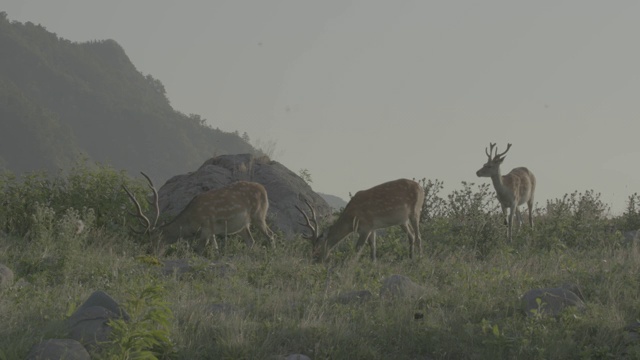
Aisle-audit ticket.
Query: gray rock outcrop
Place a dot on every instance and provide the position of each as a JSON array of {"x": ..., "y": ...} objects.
[
  {"x": 632, "y": 237},
  {"x": 6, "y": 276},
  {"x": 284, "y": 188},
  {"x": 551, "y": 301},
  {"x": 58, "y": 349},
  {"x": 400, "y": 287},
  {"x": 88, "y": 324}
]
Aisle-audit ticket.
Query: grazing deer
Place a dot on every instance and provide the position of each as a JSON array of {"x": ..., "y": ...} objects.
[
  {"x": 513, "y": 189},
  {"x": 228, "y": 210},
  {"x": 397, "y": 202}
]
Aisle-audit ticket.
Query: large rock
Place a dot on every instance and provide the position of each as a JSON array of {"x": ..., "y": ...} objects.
[
  {"x": 284, "y": 188},
  {"x": 89, "y": 323},
  {"x": 400, "y": 287},
  {"x": 58, "y": 349},
  {"x": 632, "y": 237},
  {"x": 551, "y": 301},
  {"x": 6, "y": 276}
]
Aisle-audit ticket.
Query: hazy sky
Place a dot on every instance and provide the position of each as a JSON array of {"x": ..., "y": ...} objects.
[{"x": 361, "y": 92}]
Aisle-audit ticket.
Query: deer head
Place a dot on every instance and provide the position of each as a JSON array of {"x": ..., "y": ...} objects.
[{"x": 492, "y": 166}]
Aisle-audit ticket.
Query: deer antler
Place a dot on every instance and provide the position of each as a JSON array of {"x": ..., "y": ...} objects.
[
  {"x": 144, "y": 220},
  {"x": 311, "y": 223},
  {"x": 498, "y": 156},
  {"x": 490, "y": 151},
  {"x": 155, "y": 197}
]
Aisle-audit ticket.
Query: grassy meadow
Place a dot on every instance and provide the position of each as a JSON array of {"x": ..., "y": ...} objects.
[{"x": 264, "y": 303}]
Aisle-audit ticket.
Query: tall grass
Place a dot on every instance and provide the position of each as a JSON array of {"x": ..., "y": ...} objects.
[{"x": 272, "y": 303}]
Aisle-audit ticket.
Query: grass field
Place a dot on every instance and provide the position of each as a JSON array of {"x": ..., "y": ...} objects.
[{"x": 262, "y": 303}]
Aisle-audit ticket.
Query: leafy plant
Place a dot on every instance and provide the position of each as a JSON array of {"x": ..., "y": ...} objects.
[
  {"x": 85, "y": 186},
  {"x": 630, "y": 219},
  {"x": 577, "y": 219},
  {"x": 147, "y": 334}
]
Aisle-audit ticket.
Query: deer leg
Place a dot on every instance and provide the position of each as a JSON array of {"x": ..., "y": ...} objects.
[
  {"x": 530, "y": 206},
  {"x": 248, "y": 238},
  {"x": 411, "y": 237},
  {"x": 207, "y": 237},
  {"x": 510, "y": 223},
  {"x": 504, "y": 213},
  {"x": 415, "y": 226},
  {"x": 223, "y": 245},
  {"x": 372, "y": 244},
  {"x": 369, "y": 238},
  {"x": 201, "y": 241},
  {"x": 519, "y": 217},
  {"x": 214, "y": 241},
  {"x": 264, "y": 229}
]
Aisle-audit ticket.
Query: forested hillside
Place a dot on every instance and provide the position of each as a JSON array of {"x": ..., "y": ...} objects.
[{"x": 61, "y": 101}]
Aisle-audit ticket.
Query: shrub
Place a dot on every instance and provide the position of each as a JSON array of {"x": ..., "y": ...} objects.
[
  {"x": 434, "y": 205},
  {"x": 95, "y": 187},
  {"x": 467, "y": 218},
  {"x": 56, "y": 241},
  {"x": 577, "y": 220},
  {"x": 146, "y": 335},
  {"x": 630, "y": 219}
]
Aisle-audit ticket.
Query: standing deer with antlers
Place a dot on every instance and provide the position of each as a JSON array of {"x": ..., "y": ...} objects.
[
  {"x": 397, "y": 202},
  {"x": 513, "y": 189},
  {"x": 225, "y": 211}
]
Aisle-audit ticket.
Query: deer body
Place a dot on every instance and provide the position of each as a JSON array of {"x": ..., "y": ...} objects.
[
  {"x": 512, "y": 190},
  {"x": 225, "y": 211},
  {"x": 397, "y": 202}
]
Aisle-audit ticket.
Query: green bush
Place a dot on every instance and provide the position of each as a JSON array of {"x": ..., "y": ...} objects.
[
  {"x": 147, "y": 334},
  {"x": 630, "y": 219},
  {"x": 96, "y": 187},
  {"x": 467, "y": 218},
  {"x": 577, "y": 220}
]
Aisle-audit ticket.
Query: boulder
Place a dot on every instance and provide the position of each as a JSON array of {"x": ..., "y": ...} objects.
[
  {"x": 6, "y": 276},
  {"x": 284, "y": 188},
  {"x": 399, "y": 287},
  {"x": 89, "y": 323},
  {"x": 58, "y": 349},
  {"x": 90, "y": 326},
  {"x": 102, "y": 299},
  {"x": 632, "y": 237},
  {"x": 632, "y": 332},
  {"x": 551, "y": 301}
]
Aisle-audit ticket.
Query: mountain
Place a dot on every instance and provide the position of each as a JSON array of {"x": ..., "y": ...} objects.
[
  {"x": 61, "y": 101},
  {"x": 335, "y": 202}
]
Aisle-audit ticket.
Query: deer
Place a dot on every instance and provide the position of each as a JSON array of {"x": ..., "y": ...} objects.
[
  {"x": 225, "y": 211},
  {"x": 397, "y": 202},
  {"x": 512, "y": 190}
]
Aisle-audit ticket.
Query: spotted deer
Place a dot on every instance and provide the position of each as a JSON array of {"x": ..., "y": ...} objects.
[
  {"x": 225, "y": 211},
  {"x": 397, "y": 202},
  {"x": 513, "y": 189}
]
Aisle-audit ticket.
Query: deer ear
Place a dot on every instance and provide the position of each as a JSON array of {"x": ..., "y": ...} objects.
[{"x": 500, "y": 160}]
